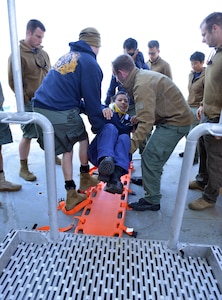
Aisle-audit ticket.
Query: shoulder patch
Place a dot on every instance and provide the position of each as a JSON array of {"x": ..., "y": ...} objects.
[{"x": 139, "y": 105}]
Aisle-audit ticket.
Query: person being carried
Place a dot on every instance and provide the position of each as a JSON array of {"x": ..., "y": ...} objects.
[
  {"x": 110, "y": 149},
  {"x": 35, "y": 64},
  {"x": 74, "y": 78},
  {"x": 5, "y": 138},
  {"x": 159, "y": 102}
]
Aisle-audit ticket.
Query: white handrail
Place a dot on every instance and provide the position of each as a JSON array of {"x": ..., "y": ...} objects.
[
  {"x": 190, "y": 147},
  {"x": 22, "y": 117}
]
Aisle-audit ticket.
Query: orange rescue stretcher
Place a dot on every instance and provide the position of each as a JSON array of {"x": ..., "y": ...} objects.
[{"x": 103, "y": 213}]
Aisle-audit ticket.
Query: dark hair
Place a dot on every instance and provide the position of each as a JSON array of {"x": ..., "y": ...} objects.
[
  {"x": 130, "y": 43},
  {"x": 153, "y": 43},
  {"x": 33, "y": 24},
  {"x": 113, "y": 99},
  {"x": 210, "y": 20},
  {"x": 198, "y": 56},
  {"x": 123, "y": 62}
]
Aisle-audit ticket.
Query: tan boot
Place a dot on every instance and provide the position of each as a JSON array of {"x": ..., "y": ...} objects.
[
  {"x": 6, "y": 186},
  {"x": 58, "y": 161},
  {"x": 194, "y": 185},
  {"x": 73, "y": 198},
  {"x": 200, "y": 204},
  {"x": 24, "y": 171},
  {"x": 86, "y": 181}
]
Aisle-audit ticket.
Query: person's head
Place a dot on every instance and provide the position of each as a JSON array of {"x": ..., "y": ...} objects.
[
  {"x": 120, "y": 102},
  {"x": 153, "y": 50},
  {"x": 197, "y": 61},
  {"x": 34, "y": 33},
  {"x": 122, "y": 66},
  {"x": 211, "y": 30},
  {"x": 130, "y": 47},
  {"x": 91, "y": 36}
]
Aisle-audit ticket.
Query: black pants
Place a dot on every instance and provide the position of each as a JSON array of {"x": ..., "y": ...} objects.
[{"x": 210, "y": 168}]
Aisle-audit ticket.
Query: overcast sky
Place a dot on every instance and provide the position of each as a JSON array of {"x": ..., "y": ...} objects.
[{"x": 175, "y": 24}]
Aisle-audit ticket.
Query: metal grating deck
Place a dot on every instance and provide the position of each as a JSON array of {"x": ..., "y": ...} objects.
[{"x": 105, "y": 268}]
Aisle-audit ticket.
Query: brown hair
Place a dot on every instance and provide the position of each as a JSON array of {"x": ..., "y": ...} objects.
[
  {"x": 123, "y": 62},
  {"x": 33, "y": 24},
  {"x": 210, "y": 20}
]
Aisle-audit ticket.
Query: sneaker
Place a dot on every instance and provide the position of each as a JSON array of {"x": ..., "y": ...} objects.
[
  {"x": 106, "y": 166},
  {"x": 195, "y": 185},
  {"x": 200, "y": 204},
  {"x": 114, "y": 187},
  {"x": 137, "y": 180},
  {"x": 142, "y": 205}
]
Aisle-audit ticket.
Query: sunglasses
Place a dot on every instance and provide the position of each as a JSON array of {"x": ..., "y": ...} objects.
[{"x": 131, "y": 54}]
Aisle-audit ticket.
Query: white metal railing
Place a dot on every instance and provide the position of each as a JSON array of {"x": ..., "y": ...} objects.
[
  {"x": 182, "y": 190},
  {"x": 22, "y": 117}
]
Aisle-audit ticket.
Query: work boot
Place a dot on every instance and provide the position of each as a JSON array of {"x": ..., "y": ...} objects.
[
  {"x": 195, "y": 185},
  {"x": 200, "y": 204},
  {"x": 6, "y": 186},
  {"x": 106, "y": 168},
  {"x": 86, "y": 181},
  {"x": 195, "y": 161},
  {"x": 142, "y": 205},
  {"x": 58, "y": 161},
  {"x": 115, "y": 185},
  {"x": 137, "y": 180},
  {"x": 24, "y": 171},
  {"x": 73, "y": 198}
]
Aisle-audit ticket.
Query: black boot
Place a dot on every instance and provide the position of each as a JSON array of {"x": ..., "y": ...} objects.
[
  {"x": 115, "y": 185},
  {"x": 106, "y": 168},
  {"x": 137, "y": 180}
]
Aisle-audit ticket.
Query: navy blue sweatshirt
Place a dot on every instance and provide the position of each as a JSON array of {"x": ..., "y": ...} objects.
[{"x": 75, "y": 76}]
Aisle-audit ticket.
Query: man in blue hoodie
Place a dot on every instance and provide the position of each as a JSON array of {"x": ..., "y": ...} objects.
[{"x": 76, "y": 76}]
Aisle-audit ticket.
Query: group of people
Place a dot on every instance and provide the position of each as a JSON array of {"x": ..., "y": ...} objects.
[{"x": 158, "y": 114}]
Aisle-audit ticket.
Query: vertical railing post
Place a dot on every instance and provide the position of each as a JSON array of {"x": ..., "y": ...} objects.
[
  {"x": 22, "y": 117},
  {"x": 182, "y": 190}
]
